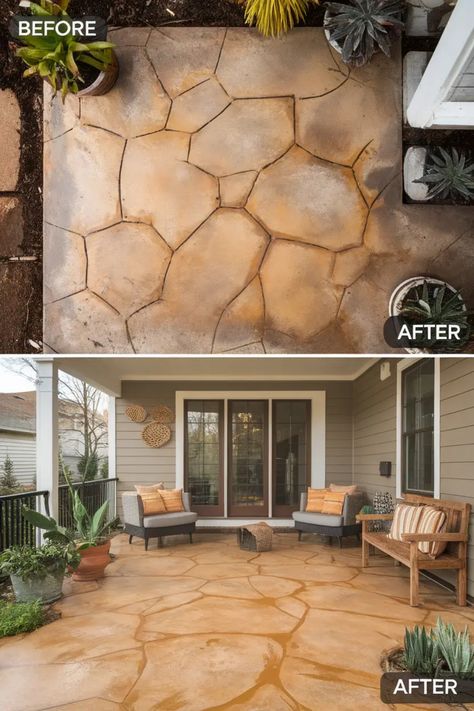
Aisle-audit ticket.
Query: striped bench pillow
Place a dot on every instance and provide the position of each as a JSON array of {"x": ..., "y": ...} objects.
[
  {"x": 406, "y": 519},
  {"x": 432, "y": 521}
]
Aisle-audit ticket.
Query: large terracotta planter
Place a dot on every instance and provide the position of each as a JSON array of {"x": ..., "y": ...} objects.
[{"x": 94, "y": 561}]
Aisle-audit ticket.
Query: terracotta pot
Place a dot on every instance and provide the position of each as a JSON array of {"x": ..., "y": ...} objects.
[
  {"x": 104, "y": 82},
  {"x": 94, "y": 561}
]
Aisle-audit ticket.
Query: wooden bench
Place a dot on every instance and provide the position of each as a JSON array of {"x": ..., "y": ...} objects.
[{"x": 407, "y": 552}]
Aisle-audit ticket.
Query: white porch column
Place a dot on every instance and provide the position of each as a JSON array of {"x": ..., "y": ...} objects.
[
  {"x": 47, "y": 474},
  {"x": 112, "y": 442}
]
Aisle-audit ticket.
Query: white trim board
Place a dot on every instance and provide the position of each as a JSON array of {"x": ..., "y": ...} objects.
[
  {"x": 318, "y": 429},
  {"x": 401, "y": 366}
]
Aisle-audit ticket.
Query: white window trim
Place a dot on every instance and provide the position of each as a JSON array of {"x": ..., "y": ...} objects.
[
  {"x": 430, "y": 105},
  {"x": 318, "y": 430},
  {"x": 401, "y": 366}
]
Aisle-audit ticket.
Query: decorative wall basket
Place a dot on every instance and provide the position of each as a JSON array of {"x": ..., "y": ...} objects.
[
  {"x": 136, "y": 413},
  {"x": 162, "y": 414},
  {"x": 156, "y": 434}
]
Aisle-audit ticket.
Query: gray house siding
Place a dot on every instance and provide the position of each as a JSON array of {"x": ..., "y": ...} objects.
[
  {"x": 375, "y": 435},
  {"x": 138, "y": 464},
  {"x": 21, "y": 448}
]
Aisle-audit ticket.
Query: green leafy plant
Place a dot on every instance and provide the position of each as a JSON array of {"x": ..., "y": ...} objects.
[
  {"x": 27, "y": 562},
  {"x": 275, "y": 17},
  {"x": 455, "y": 648},
  {"x": 60, "y": 60},
  {"x": 448, "y": 175},
  {"x": 367, "y": 509},
  {"x": 438, "y": 304},
  {"x": 20, "y": 617},
  {"x": 421, "y": 654},
  {"x": 363, "y": 26}
]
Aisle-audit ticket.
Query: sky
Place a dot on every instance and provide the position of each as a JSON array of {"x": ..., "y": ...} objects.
[{"x": 11, "y": 382}]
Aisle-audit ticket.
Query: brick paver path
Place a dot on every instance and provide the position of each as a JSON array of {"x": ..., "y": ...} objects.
[{"x": 234, "y": 194}]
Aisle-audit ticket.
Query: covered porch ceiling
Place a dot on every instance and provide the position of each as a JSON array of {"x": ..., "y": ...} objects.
[{"x": 109, "y": 372}]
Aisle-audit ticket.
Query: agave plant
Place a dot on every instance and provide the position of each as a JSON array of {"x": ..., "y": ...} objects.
[
  {"x": 58, "y": 59},
  {"x": 455, "y": 648},
  {"x": 449, "y": 175},
  {"x": 275, "y": 17},
  {"x": 439, "y": 305},
  {"x": 362, "y": 27},
  {"x": 421, "y": 652}
]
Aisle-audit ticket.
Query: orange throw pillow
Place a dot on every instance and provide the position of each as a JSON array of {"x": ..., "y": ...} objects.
[
  {"x": 153, "y": 504},
  {"x": 432, "y": 520},
  {"x": 149, "y": 488},
  {"x": 314, "y": 503},
  {"x": 173, "y": 499},
  {"x": 333, "y": 502},
  {"x": 351, "y": 489}
]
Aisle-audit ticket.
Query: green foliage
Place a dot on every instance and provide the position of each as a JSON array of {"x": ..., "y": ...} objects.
[
  {"x": 421, "y": 653},
  {"x": 91, "y": 530},
  {"x": 104, "y": 469},
  {"x": 8, "y": 482},
  {"x": 16, "y": 618},
  {"x": 367, "y": 509},
  {"x": 448, "y": 175},
  {"x": 440, "y": 650},
  {"x": 88, "y": 466},
  {"x": 275, "y": 17},
  {"x": 27, "y": 562},
  {"x": 455, "y": 648},
  {"x": 58, "y": 59},
  {"x": 363, "y": 27},
  {"x": 438, "y": 304}
]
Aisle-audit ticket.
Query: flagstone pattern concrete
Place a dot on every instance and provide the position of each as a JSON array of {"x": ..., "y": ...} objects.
[
  {"x": 195, "y": 627},
  {"x": 234, "y": 194}
]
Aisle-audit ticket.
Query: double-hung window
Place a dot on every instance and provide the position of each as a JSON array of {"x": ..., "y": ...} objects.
[{"x": 418, "y": 428}]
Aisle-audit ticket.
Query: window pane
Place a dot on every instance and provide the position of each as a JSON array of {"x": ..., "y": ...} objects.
[
  {"x": 290, "y": 427},
  {"x": 247, "y": 452},
  {"x": 203, "y": 451},
  {"x": 418, "y": 428}
]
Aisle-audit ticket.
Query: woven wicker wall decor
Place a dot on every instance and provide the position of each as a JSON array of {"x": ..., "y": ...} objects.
[
  {"x": 136, "y": 413},
  {"x": 163, "y": 414},
  {"x": 156, "y": 434}
]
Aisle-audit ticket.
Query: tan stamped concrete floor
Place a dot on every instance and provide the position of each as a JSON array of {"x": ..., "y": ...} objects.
[
  {"x": 209, "y": 627},
  {"x": 234, "y": 194}
]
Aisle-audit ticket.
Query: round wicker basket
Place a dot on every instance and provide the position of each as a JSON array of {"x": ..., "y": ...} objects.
[
  {"x": 136, "y": 413},
  {"x": 156, "y": 434},
  {"x": 163, "y": 414}
]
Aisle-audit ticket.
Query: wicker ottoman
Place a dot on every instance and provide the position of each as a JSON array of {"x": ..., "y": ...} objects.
[{"x": 256, "y": 537}]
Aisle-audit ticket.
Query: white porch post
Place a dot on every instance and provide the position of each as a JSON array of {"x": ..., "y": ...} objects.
[
  {"x": 47, "y": 474},
  {"x": 112, "y": 443}
]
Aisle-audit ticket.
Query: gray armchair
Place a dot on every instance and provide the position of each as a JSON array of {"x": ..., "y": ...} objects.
[
  {"x": 157, "y": 525},
  {"x": 331, "y": 525}
]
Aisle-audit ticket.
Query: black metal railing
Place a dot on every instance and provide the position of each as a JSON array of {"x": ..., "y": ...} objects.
[
  {"x": 15, "y": 530},
  {"x": 92, "y": 493}
]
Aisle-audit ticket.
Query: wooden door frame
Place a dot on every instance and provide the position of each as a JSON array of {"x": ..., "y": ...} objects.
[
  {"x": 286, "y": 511},
  {"x": 251, "y": 511}
]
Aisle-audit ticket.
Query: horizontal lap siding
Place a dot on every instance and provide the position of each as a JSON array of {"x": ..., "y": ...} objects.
[
  {"x": 139, "y": 464},
  {"x": 374, "y": 408},
  {"x": 457, "y": 441},
  {"x": 22, "y": 451}
]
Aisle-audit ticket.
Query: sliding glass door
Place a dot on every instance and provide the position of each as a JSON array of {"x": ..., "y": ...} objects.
[
  {"x": 204, "y": 455},
  {"x": 248, "y": 458},
  {"x": 291, "y": 424}
]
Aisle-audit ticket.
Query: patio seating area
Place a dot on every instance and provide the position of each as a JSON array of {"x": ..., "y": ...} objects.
[{"x": 209, "y": 626}]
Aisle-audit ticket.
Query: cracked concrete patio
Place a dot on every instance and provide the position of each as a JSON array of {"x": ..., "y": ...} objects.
[
  {"x": 208, "y": 626},
  {"x": 234, "y": 194}
]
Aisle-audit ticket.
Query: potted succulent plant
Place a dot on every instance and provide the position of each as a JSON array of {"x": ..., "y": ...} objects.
[
  {"x": 91, "y": 536},
  {"x": 38, "y": 573},
  {"x": 426, "y": 300},
  {"x": 360, "y": 28},
  {"x": 70, "y": 66},
  {"x": 275, "y": 17},
  {"x": 446, "y": 175}
]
